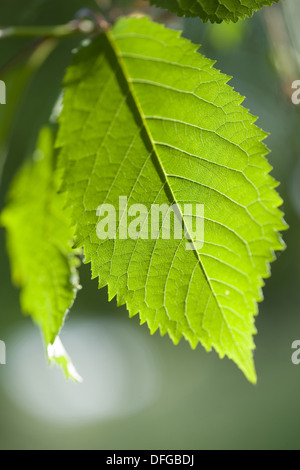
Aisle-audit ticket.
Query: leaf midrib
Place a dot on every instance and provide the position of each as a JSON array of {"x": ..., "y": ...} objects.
[{"x": 122, "y": 66}]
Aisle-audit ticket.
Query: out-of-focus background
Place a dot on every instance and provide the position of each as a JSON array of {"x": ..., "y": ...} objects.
[{"x": 141, "y": 391}]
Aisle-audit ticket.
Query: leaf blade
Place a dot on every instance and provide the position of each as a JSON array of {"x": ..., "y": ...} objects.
[
  {"x": 215, "y": 11},
  {"x": 39, "y": 238},
  {"x": 155, "y": 121}
]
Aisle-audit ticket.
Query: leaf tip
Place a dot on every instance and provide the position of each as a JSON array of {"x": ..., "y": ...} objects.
[{"x": 57, "y": 354}]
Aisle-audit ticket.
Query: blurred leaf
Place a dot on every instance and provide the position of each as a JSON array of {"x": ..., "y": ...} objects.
[
  {"x": 39, "y": 243},
  {"x": 226, "y": 36},
  {"x": 17, "y": 78}
]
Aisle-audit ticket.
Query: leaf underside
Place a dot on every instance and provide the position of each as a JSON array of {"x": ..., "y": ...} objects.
[
  {"x": 43, "y": 262},
  {"x": 215, "y": 11},
  {"x": 147, "y": 117}
]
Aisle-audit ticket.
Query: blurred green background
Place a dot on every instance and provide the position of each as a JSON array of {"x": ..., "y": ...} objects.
[{"x": 142, "y": 392}]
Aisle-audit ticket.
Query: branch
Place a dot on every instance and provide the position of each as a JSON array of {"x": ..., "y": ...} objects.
[{"x": 80, "y": 26}]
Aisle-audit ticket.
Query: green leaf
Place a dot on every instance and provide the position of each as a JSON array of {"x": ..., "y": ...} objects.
[
  {"x": 39, "y": 244},
  {"x": 215, "y": 11},
  {"x": 147, "y": 117}
]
